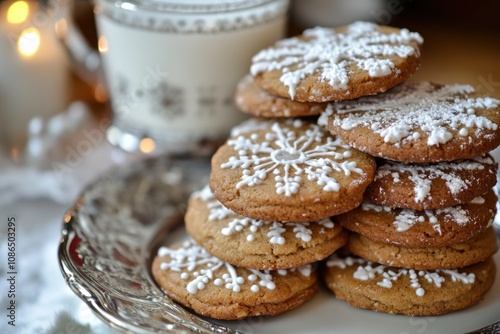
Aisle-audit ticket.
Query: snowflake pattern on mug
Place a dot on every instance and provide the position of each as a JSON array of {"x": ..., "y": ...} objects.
[
  {"x": 241, "y": 224},
  {"x": 288, "y": 151},
  {"x": 199, "y": 268},
  {"x": 167, "y": 99}
]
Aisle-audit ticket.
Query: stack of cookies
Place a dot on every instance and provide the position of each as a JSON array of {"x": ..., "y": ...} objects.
[
  {"x": 265, "y": 220},
  {"x": 425, "y": 226},
  {"x": 284, "y": 184}
]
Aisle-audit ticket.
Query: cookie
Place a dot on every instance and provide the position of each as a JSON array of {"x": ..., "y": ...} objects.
[
  {"x": 191, "y": 276},
  {"x": 419, "y": 122},
  {"x": 456, "y": 255},
  {"x": 428, "y": 228},
  {"x": 431, "y": 186},
  {"x": 288, "y": 170},
  {"x": 372, "y": 286},
  {"x": 258, "y": 244},
  {"x": 252, "y": 99},
  {"x": 325, "y": 64}
]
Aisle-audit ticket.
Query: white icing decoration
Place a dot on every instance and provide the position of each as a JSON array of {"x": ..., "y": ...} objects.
[
  {"x": 330, "y": 54},
  {"x": 367, "y": 206},
  {"x": 305, "y": 270},
  {"x": 253, "y": 124},
  {"x": 478, "y": 200},
  {"x": 241, "y": 224},
  {"x": 422, "y": 175},
  {"x": 197, "y": 264},
  {"x": 433, "y": 110},
  {"x": 288, "y": 156},
  {"x": 385, "y": 275},
  {"x": 275, "y": 231},
  {"x": 407, "y": 218}
]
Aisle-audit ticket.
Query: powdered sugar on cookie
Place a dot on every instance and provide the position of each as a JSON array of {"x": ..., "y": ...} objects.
[
  {"x": 406, "y": 219},
  {"x": 330, "y": 54},
  {"x": 411, "y": 111},
  {"x": 423, "y": 175}
]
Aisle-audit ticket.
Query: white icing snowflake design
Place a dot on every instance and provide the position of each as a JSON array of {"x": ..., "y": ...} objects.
[
  {"x": 407, "y": 218},
  {"x": 368, "y": 270},
  {"x": 253, "y": 124},
  {"x": 241, "y": 224},
  {"x": 330, "y": 53},
  {"x": 288, "y": 156},
  {"x": 422, "y": 176},
  {"x": 431, "y": 108},
  {"x": 198, "y": 268}
]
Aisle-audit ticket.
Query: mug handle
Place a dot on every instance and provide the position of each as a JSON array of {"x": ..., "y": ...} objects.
[{"x": 84, "y": 60}]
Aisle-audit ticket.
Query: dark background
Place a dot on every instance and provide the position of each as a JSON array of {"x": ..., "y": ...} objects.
[{"x": 461, "y": 38}]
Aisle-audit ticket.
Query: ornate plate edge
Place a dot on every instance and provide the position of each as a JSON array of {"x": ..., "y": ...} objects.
[{"x": 100, "y": 302}]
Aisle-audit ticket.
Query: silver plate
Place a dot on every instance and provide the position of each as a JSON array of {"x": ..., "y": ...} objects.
[
  {"x": 112, "y": 232},
  {"x": 108, "y": 238}
]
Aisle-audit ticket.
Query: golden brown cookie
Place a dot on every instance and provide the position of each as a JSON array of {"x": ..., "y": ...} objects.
[
  {"x": 373, "y": 286},
  {"x": 431, "y": 186},
  {"x": 457, "y": 255},
  {"x": 288, "y": 171},
  {"x": 419, "y": 122},
  {"x": 253, "y": 100},
  {"x": 258, "y": 244},
  {"x": 191, "y": 276},
  {"x": 428, "y": 228},
  {"x": 325, "y": 64}
]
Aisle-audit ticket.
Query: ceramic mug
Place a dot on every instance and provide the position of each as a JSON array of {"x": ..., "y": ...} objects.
[{"x": 172, "y": 67}]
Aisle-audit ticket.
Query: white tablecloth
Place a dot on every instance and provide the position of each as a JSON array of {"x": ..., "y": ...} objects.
[{"x": 44, "y": 302}]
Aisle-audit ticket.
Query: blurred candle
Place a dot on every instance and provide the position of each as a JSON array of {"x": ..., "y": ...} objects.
[
  {"x": 33, "y": 70},
  {"x": 18, "y": 12}
]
